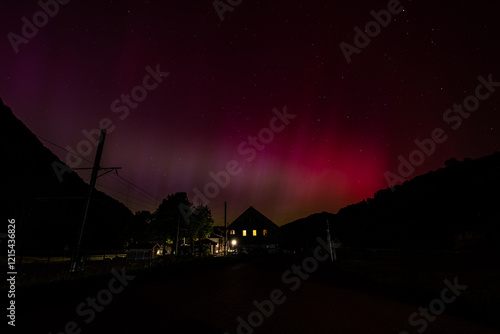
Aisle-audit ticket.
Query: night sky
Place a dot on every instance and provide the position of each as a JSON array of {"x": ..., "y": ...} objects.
[{"x": 223, "y": 81}]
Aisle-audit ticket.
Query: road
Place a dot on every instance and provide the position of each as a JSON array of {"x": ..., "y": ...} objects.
[{"x": 211, "y": 300}]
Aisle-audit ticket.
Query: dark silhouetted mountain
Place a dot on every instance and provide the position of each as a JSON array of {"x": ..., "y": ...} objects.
[
  {"x": 452, "y": 207},
  {"x": 301, "y": 234},
  {"x": 48, "y": 212}
]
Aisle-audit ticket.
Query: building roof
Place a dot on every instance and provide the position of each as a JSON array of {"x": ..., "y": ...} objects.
[{"x": 254, "y": 218}]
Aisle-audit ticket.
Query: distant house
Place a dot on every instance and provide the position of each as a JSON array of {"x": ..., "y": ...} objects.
[
  {"x": 212, "y": 245},
  {"x": 144, "y": 251},
  {"x": 253, "y": 232},
  {"x": 471, "y": 237},
  {"x": 216, "y": 241}
]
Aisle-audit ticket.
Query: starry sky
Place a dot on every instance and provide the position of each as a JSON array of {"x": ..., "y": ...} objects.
[{"x": 219, "y": 82}]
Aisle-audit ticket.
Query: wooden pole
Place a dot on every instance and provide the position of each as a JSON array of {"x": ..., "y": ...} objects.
[
  {"x": 225, "y": 228},
  {"x": 95, "y": 170}
]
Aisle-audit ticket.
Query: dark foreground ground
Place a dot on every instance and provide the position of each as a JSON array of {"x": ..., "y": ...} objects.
[{"x": 368, "y": 293}]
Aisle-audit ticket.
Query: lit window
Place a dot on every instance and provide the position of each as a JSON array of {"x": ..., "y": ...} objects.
[
  {"x": 232, "y": 232},
  {"x": 254, "y": 233},
  {"x": 264, "y": 232},
  {"x": 244, "y": 233}
]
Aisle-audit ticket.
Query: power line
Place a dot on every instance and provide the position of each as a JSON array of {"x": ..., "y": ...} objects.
[
  {"x": 118, "y": 199},
  {"x": 153, "y": 205},
  {"x": 128, "y": 195},
  {"x": 141, "y": 189},
  {"x": 156, "y": 198},
  {"x": 145, "y": 191},
  {"x": 62, "y": 148},
  {"x": 130, "y": 207},
  {"x": 150, "y": 197}
]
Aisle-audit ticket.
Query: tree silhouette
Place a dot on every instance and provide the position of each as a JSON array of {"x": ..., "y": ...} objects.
[
  {"x": 200, "y": 226},
  {"x": 167, "y": 223},
  {"x": 450, "y": 162},
  {"x": 138, "y": 230}
]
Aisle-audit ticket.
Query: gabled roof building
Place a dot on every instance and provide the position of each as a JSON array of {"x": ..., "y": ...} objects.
[{"x": 253, "y": 232}]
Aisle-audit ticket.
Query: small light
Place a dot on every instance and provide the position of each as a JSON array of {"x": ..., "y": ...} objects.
[{"x": 233, "y": 242}]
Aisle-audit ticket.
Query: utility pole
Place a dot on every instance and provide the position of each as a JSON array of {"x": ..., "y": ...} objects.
[
  {"x": 177, "y": 236},
  {"x": 95, "y": 170},
  {"x": 225, "y": 228},
  {"x": 333, "y": 254}
]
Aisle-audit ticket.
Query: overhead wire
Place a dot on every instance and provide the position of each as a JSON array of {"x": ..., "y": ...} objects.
[
  {"x": 138, "y": 187},
  {"x": 62, "y": 148},
  {"x": 118, "y": 178},
  {"x": 128, "y": 196}
]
